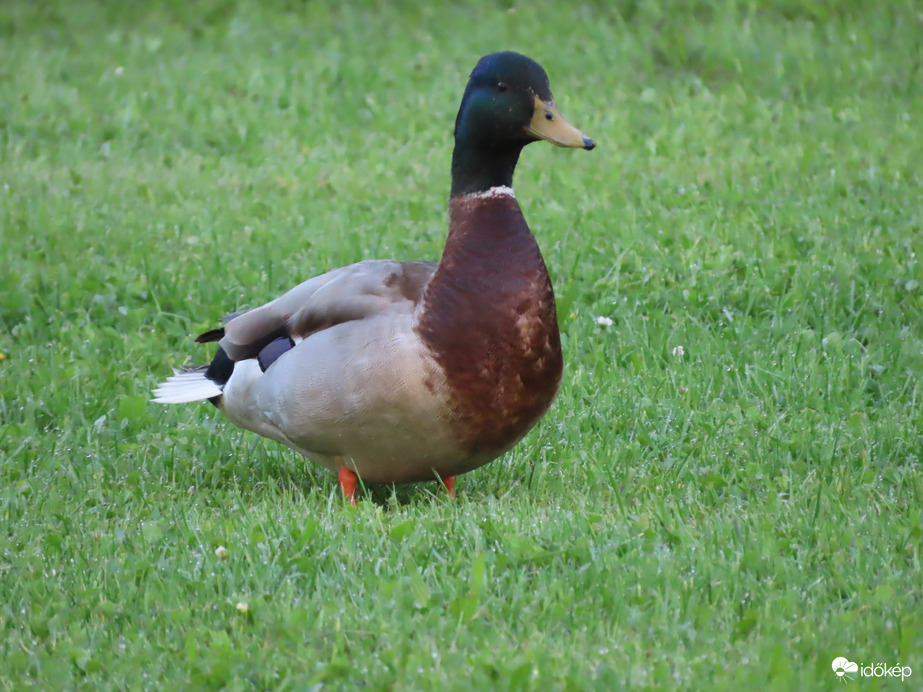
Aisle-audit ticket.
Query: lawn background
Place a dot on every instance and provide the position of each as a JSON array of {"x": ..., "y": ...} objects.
[{"x": 730, "y": 515}]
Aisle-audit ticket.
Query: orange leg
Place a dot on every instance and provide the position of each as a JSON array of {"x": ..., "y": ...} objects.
[
  {"x": 348, "y": 481},
  {"x": 450, "y": 485}
]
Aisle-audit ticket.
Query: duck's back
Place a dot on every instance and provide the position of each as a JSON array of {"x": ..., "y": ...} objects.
[{"x": 356, "y": 381}]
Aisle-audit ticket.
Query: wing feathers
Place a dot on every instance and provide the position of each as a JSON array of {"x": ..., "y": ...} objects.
[
  {"x": 210, "y": 335},
  {"x": 351, "y": 293}
]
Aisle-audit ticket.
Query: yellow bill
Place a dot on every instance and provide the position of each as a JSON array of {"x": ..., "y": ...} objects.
[{"x": 548, "y": 124}]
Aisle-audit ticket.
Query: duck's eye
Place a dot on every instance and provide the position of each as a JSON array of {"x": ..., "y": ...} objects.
[
  {"x": 549, "y": 116},
  {"x": 501, "y": 86}
]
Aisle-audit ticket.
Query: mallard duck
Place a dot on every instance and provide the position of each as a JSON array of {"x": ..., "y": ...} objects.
[{"x": 397, "y": 372}]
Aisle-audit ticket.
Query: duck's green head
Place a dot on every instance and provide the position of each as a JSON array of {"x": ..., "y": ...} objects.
[{"x": 507, "y": 104}]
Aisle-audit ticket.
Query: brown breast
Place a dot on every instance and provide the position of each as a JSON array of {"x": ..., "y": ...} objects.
[{"x": 488, "y": 316}]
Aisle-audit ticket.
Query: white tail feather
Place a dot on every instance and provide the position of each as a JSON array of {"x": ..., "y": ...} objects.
[{"x": 185, "y": 387}]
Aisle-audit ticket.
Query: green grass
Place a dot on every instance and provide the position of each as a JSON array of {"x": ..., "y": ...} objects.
[{"x": 732, "y": 518}]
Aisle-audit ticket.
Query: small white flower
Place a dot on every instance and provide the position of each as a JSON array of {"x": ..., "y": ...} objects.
[
  {"x": 604, "y": 321},
  {"x": 679, "y": 351},
  {"x": 221, "y": 552},
  {"x": 243, "y": 608},
  {"x": 118, "y": 71}
]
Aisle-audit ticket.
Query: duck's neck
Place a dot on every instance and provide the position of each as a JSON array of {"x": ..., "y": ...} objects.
[
  {"x": 490, "y": 250},
  {"x": 476, "y": 169}
]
